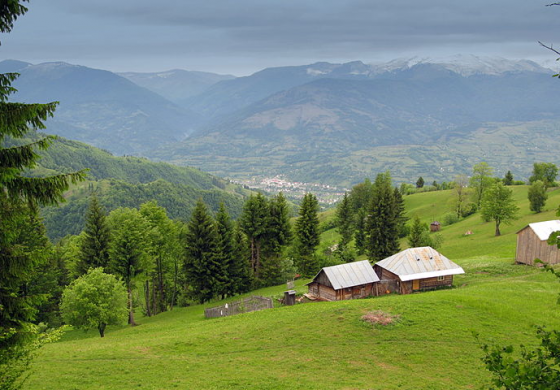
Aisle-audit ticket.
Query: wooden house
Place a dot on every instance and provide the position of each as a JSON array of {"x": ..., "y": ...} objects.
[
  {"x": 418, "y": 269},
  {"x": 345, "y": 281},
  {"x": 532, "y": 243}
]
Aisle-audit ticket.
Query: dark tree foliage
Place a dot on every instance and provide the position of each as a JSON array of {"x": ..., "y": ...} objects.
[
  {"x": 545, "y": 172},
  {"x": 225, "y": 253},
  {"x": 508, "y": 179},
  {"x": 381, "y": 223},
  {"x": 253, "y": 222},
  {"x": 97, "y": 237},
  {"x": 420, "y": 182},
  {"x": 241, "y": 266},
  {"x": 307, "y": 236},
  {"x": 19, "y": 198},
  {"x": 278, "y": 235},
  {"x": 360, "y": 195},
  {"x": 345, "y": 226},
  {"x": 360, "y": 233},
  {"x": 537, "y": 196},
  {"x": 400, "y": 216},
  {"x": 202, "y": 267}
]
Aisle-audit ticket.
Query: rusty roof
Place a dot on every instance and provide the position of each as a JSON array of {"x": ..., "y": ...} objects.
[
  {"x": 419, "y": 263},
  {"x": 350, "y": 274}
]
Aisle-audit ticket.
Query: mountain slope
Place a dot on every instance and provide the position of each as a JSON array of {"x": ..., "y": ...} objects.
[
  {"x": 176, "y": 85},
  {"x": 128, "y": 182},
  {"x": 101, "y": 108},
  {"x": 325, "y": 130}
]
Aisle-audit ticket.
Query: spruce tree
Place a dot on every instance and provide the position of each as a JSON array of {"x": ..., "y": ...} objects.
[
  {"x": 307, "y": 236},
  {"x": 253, "y": 221},
  {"x": 278, "y": 235},
  {"x": 360, "y": 234},
  {"x": 345, "y": 227},
  {"x": 202, "y": 267},
  {"x": 508, "y": 179},
  {"x": 381, "y": 223},
  {"x": 19, "y": 197},
  {"x": 241, "y": 266},
  {"x": 225, "y": 252},
  {"x": 94, "y": 251}
]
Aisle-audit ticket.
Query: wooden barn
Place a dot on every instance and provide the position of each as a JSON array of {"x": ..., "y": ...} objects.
[
  {"x": 345, "y": 281},
  {"x": 417, "y": 269},
  {"x": 532, "y": 243}
]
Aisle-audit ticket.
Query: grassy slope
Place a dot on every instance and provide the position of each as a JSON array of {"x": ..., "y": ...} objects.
[{"x": 325, "y": 345}]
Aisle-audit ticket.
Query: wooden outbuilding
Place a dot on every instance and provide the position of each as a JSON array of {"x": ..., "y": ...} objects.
[
  {"x": 417, "y": 269},
  {"x": 532, "y": 243},
  {"x": 435, "y": 226},
  {"x": 345, "y": 281}
]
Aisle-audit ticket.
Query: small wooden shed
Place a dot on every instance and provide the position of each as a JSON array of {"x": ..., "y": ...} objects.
[
  {"x": 418, "y": 269},
  {"x": 435, "y": 226},
  {"x": 345, "y": 281},
  {"x": 532, "y": 243}
]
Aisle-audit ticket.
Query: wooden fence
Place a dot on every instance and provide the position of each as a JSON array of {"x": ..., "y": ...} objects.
[{"x": 254, "y": 303}]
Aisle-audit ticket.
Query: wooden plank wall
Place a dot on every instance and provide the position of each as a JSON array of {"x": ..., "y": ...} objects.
[{"x": 530, "y": 247}]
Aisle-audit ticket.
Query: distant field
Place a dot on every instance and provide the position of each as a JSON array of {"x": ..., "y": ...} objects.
[{"x": 326, "y": 345}]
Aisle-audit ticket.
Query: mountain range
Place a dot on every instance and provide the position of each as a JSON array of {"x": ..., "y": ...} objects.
[{"x": 333, "y": 123}]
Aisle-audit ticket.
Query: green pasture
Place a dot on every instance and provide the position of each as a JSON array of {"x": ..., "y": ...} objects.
[{"x": 326, "y": 345}]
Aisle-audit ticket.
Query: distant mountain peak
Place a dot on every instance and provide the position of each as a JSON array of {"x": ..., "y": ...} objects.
[{"x": 465, "y": 65}]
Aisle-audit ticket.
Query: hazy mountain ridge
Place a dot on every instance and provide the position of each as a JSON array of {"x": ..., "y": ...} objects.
[
  {"x": 101, "y": 108},
  {"x": 176, "y": 85}
]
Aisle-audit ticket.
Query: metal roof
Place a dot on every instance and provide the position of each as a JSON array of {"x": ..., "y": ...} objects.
[
  {"x": 350, "y": 274},
  {"x": 544, "y": 229},
  {"x": 419, "y": 263}
]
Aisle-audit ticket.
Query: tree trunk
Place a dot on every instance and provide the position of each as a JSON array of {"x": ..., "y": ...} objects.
[
  {"x": 175, "y": 276},
  {"x": 101, "y": 328},
  {"x": 147, "y": 296},
  {"x": 497, "y": 229},
  {"x": 130, "y": 310}
]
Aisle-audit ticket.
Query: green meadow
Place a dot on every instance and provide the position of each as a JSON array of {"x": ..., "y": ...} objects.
[{"x": 326, "y": 345}]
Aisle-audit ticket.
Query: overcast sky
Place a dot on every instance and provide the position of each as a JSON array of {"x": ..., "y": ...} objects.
[{"x": 243, "y": 36}]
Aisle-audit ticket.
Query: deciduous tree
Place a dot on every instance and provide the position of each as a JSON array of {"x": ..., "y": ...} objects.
[
  {"x": 545, "y": 172},
  {"x": 537, "y": 196},
  {"x": 481, "y": 179},
  {"x": 95, "y": 300},
  {"x": 499, "y": 206}
]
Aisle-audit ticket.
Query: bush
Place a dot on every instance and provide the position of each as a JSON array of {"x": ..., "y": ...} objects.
[{"x": 450, "y": 219}]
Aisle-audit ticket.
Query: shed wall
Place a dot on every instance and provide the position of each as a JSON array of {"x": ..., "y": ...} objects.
[{"x": 530, "y": 247}]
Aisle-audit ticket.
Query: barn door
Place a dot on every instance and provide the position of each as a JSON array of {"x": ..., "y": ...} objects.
[{"x": 416, "y": 284}]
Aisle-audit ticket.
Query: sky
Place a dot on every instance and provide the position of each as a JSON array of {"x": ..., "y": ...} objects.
[{"x": 241, "y": 37}]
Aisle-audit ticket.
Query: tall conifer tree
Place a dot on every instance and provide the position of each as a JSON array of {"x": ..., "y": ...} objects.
[
  {"x": 202, "y": 267},
  {"x": 225, "y": 252},
  {"x": 278, "y": 236},
  {"x": 19, "y": 197},
  {"x": 307, "y": 235},
  {"x": 94, "y": 251},
  {"x": 381, "y": 221},
  {"x": 253, "y": 221}
]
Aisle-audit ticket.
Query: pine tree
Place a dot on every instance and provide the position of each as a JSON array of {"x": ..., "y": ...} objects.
[
  {"x": 225, "y": 252},
  {"x": 19, "y": 197},
  {"x": 345, "y": 226},
  {"x": 360, "y": 235},
  {"x": 307, "y": 236},
  {"x": 420, "y": 182},
  {"x": 241, "y": 266},
  {"x": 202, "y": 266},
  {"x": 419, "y": 235},
  {"x": 381, "y": 223},
  {"x": 400, "y": 216},
  {"x": 97, "y": 236},
  {"x": 254, "y": 221},
  {"x": 278, "y": 235},
  {"x": 508, "y": 179}
]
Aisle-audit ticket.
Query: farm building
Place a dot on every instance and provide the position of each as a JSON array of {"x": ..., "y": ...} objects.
[
  {"x": 532, "y": 243},
  {"x": 345, "y": 281},
  {"x": 417, "y": 269}
]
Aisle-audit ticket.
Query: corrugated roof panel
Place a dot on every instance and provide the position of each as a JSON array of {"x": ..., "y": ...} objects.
[
  {"x": 418, "y": 263},
  {"x": 351, "y": 274}
]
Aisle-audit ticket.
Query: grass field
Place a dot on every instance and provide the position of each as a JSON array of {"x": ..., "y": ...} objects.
[{"x": 326, "y": 345}]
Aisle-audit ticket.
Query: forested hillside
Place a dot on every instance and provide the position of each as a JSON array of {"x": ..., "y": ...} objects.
[{"x": 128, "y": 182}]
